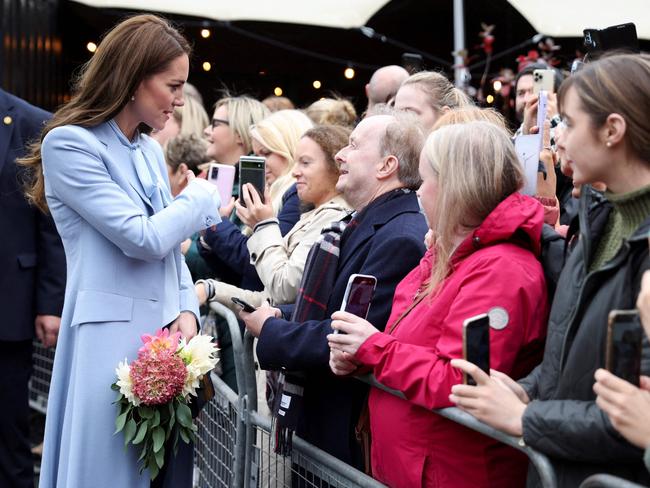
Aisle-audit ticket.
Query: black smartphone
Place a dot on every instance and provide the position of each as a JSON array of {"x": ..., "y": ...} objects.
[
  {"x": 476, "y": 344},
  {"x": 623, "y": 353},
  {"x": 246, "y": 307},
  {"x": 251, "y": 170},
  {"x": 622, "y": 36}
]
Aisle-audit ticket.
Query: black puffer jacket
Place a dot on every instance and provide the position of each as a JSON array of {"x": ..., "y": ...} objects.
[{"x": 563, "y": 420}]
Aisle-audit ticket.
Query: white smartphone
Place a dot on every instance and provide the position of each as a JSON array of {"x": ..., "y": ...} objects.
[
  {"x": 223, "y": 177},
  {"x": 358, "y": 295},
  {"x": 543, "y": 79}
]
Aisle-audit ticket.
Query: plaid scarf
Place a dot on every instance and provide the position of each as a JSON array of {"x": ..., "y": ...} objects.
[{"x": 311, "y": 304}]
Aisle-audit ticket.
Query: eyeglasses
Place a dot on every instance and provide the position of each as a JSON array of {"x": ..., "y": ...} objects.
[{"x": 216, "y": 122}]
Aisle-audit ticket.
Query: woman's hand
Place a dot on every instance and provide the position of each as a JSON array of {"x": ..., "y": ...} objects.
[
  {"x": 491, "y": 401},
  {"x": 226, "y": 210},
  {"x": 201, "y": 293},
  {"x": 255, "y": 210},
  {"x": 356, "y": 331},
  {"x": 546, "y": 186},
  {"x": 342, "y": 363},
  {"x": 627, "y": 406},
  {"x": 255, "y": 320},
  {"x": 185, "y": 323}
]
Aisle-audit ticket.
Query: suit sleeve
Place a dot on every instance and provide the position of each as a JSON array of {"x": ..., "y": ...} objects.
[
  {"x": 76, "y": 175},
  {"x": 424, "y": 374},
  {"x": 301, "y": 346},
  {"x": 290, "y": 212}
]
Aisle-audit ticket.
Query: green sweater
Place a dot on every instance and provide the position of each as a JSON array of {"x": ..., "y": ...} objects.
[{"x": 629, "y": 212}]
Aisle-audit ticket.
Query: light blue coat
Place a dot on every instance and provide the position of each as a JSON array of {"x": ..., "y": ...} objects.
[{"x": 119, "y": 250}]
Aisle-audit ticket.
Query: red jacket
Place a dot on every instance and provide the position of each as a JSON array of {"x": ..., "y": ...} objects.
[{"x": 496, "y": 266}]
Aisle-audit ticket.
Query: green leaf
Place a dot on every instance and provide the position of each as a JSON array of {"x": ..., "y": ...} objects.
[
  {"x": 145, "y": 450},
  {"x": 153, "y": 469},
  {"x": 158, "y": 436},
  {"x": 184, "y": 436},
  {"x": 142, "y": 431},
  {"x": 156, "y": 419},
  {"x": 129, "y": 431},
  {"x": 119, "y": 422},
  {"x": 145, "y": 412},
  {"x": 114, "y": 387},
  {"x": 160, "y": 457},
  {"x": 184, "y": 415}
]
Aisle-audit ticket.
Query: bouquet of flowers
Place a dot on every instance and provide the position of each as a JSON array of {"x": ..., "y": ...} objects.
[{"x": 155, "y": 390}]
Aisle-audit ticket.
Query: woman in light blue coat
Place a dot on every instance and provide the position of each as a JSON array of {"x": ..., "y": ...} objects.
[{"x": 105, "y": 183}]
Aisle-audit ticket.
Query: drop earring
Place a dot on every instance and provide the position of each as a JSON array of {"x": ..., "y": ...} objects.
[
  {"x": 608, "y": 144},
  {"x": 133, "y": 98}
]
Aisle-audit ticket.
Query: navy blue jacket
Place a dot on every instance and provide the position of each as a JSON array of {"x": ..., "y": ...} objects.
[
  {"x": 32, "y": 280},
  {"x": 388, "y": 243},
  {"x": 228, "y": 255}
]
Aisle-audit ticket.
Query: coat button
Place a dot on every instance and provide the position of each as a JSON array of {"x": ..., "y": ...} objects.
[
  {"x": 7, "y": 120},
  {"x": 477, "y": 241},
  {"x": 254, "y": 257}
]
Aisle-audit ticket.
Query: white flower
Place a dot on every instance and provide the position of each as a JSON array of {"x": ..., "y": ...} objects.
[
  {"x": 123, "y": 372},
  {"x": 200, "y": 357}
]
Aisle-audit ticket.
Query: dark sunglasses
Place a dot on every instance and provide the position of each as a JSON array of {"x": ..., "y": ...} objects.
[{"x": 215, "y": 122}]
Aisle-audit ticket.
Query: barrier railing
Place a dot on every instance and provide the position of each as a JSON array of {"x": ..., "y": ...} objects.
[
  {"x": 234, "y": 447},
  {"x": 542, "y": 464},
  {"x": 607, "y": 481}
]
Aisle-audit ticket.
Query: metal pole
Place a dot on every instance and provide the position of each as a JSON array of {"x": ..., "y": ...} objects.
[{"x": 459, "y": 43}]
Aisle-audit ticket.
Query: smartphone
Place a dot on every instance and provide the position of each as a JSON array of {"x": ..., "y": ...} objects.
[
  {"x": 251, "y": 170},
  {"x": 622, "y": 36},
  {"x": 476, "y": 344},
  {"x": 623, "y": 350},
  {"x": 358, "y": 295},
  {"x": 246, "y": 307},
  {"x": 223, "y": 177},
  {"x": 543, "y": 79}
]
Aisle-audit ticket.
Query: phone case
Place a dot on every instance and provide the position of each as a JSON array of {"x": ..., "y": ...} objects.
[
  {"x": 467, "y": 323},
  {"x": 223, "y": 180},
  {"x": 543, "y": 79}
]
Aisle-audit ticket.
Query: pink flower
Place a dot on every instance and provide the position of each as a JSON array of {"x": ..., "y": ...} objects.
[
  {"x": 162, "y": 343},
  {"x": 158, "y": 377}
]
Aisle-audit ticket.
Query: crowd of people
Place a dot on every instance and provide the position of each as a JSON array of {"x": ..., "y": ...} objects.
[{"x": 423, "y": 192}]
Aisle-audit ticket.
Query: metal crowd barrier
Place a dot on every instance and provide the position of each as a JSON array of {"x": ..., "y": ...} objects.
[
  {"x": 39, "y": 384},
  {"x": 607, "y": 481},
  {"x": 234, "y": 448}
]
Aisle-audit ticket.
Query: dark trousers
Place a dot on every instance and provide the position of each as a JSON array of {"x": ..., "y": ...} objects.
[
  {"x": 177, "y": 470},
  {"x": 16, "y": 465}
]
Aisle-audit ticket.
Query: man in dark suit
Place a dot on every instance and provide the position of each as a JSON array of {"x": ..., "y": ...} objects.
[
  {"x": 379, "y": 173},
  {"x": 32, "y": 282}
]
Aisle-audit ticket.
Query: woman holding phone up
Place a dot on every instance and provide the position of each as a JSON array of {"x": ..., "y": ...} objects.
[
  {"x": 483, "y": 260},
  {"x": 554, "y": 409}
]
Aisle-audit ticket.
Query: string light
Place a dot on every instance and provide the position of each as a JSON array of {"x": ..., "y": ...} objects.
[
  {"x": 91, "y": 46},
  {"x": 489, "y": 99},
  {"x": 207, "y": 66},
  {"x": 277, "y": 91},
  {"x": 316, "y": 84},
  {"x": 349, "y": 73},
  {"x": 205, "y": 33},
  {"x": 497, "y": 86}
]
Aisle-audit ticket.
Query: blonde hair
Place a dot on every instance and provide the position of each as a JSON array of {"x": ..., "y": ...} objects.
[
  {"x": 440, "y": 91},
  {"x": 470, "y": 114},
  {"x": 274, "y": 104},
  {"x": 243, "y": 111},
  {"x": 477, "y": 168},
  {"x": 332, "y": 111},
  {"x": 280, "y": 133},
  {"x": 191, "y": 117},
  {"x": 107, "y": 82}
]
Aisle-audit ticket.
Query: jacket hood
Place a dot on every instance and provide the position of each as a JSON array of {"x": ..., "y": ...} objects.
[{"x": 518, "y": 219}]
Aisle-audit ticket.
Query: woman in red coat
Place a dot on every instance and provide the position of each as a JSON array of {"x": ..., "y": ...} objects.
[{"x": 483, "y": 260}]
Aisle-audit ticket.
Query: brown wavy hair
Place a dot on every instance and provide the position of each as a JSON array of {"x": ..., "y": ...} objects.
[{"x": 135, "y": 49}]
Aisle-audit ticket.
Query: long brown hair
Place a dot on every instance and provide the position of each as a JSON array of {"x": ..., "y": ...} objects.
[{"x": 135, "y": 49}]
